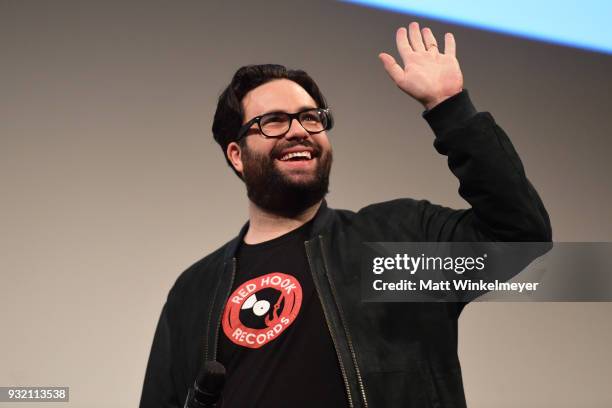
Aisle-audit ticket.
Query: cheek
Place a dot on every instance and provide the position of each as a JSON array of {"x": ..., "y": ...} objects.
[
  {"x": 256, "y": 159},
  {"x": 326, "y": 148},
  {"x": 323, "y": 141},
  {"x": 258, "y": 147}
]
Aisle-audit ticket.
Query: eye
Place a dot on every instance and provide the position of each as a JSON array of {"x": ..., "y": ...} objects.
[
  {"x": 310, "y": 116},
  {"x": 273, "y": 119}
]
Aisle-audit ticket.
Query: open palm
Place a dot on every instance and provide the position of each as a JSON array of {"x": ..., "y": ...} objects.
[{"x": 428, "y": 75}]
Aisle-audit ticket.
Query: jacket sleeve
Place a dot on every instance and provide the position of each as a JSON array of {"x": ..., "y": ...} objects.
[
  {"x": 158, "y": 389},
  {"x": 504, "y": 204}
]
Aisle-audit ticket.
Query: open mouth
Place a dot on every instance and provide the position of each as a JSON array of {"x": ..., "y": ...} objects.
[{"x": 296, "y": 156}]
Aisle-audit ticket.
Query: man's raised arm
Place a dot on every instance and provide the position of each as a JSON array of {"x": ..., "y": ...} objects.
[{"x": 505, "y": 206}]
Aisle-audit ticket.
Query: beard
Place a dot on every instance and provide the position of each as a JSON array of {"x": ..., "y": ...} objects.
[{"x": 272, "y": 190}]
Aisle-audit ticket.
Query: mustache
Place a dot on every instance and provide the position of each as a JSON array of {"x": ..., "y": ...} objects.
[{"x": 278, "y": 149}]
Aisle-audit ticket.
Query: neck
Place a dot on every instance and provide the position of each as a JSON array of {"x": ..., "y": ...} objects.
[{"x": 264, "y": 225}]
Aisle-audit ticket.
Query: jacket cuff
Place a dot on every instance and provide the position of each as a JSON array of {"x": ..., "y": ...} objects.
[{"x": 450, "y": 113}]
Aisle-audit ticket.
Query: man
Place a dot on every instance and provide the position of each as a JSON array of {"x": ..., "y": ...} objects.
[{"x": 279, "y": 306}]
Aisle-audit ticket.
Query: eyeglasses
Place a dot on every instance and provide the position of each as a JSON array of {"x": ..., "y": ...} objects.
[{"x": 277, "y": 124}]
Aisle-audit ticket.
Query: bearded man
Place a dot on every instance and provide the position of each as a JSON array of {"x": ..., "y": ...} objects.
[{"x": 279, "y": 306}]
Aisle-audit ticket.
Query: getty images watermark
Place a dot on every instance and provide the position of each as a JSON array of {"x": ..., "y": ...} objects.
[{"x": 486, "y": 271}]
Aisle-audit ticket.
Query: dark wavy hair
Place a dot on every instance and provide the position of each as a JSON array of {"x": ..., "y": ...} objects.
[{"x": 229, "y": 115}]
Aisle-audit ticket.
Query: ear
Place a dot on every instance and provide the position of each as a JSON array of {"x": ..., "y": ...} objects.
[{"x": 234, "y": 155}]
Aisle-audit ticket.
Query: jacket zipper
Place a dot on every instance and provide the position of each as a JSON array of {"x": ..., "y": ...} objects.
[
  {"x": 218, "y": 326},
  {"x": 329, "y": 327},
  {"x": 346, "y": 330}
]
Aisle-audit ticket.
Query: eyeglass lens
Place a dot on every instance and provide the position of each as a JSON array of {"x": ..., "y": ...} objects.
[{"x": 277, "y": 124}]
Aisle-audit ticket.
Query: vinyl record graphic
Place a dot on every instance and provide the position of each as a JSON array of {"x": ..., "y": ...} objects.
[{"x": 261, "y": 309}]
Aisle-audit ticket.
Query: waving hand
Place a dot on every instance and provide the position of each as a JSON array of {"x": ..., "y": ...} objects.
[{"x": 429, "y": 75}]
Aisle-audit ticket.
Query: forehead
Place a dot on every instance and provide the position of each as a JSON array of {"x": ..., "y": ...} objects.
[{"x": 276, "y": 95}]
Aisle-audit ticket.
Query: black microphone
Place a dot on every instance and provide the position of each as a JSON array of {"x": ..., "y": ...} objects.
[{"x": 206, "y": 391}]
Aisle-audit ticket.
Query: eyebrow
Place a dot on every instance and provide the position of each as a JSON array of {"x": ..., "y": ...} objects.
[{"x": 301, "y": 108}]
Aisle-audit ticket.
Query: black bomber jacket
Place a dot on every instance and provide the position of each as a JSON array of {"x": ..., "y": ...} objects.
[{"x": 390, "y": 354}]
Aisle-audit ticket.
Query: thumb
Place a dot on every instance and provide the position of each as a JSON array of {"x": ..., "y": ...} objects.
[{"x": 393, "y": 69}]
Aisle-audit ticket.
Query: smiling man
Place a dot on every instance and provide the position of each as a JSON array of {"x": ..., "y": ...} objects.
[
  {"x": 287, "y": 170},
  {"x": 279, "y": 306}
]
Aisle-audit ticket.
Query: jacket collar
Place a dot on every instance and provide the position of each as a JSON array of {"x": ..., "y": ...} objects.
[{"x": 321, "y": 220}]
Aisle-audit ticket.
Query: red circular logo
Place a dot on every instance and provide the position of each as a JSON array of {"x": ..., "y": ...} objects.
[{"x": 261, "y": 309}]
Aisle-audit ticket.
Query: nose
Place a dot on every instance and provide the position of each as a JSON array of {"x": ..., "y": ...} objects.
[{"x": 296, "y": 130}]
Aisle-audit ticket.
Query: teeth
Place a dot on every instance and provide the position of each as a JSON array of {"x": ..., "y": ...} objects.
[{"x": 296, "y": 154}]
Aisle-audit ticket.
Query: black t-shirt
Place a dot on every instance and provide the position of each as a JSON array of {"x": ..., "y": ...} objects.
[{"x": 274, "y": 341}]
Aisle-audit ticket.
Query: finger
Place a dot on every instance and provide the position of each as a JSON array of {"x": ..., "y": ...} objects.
[
  {"x": 414, "y": 34},
  {"x": 430, "y": 41},
  {"x": 393, "y": 69},
  {"x": 403, "y": 46},
  {"x": 450, "y": 47}
]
